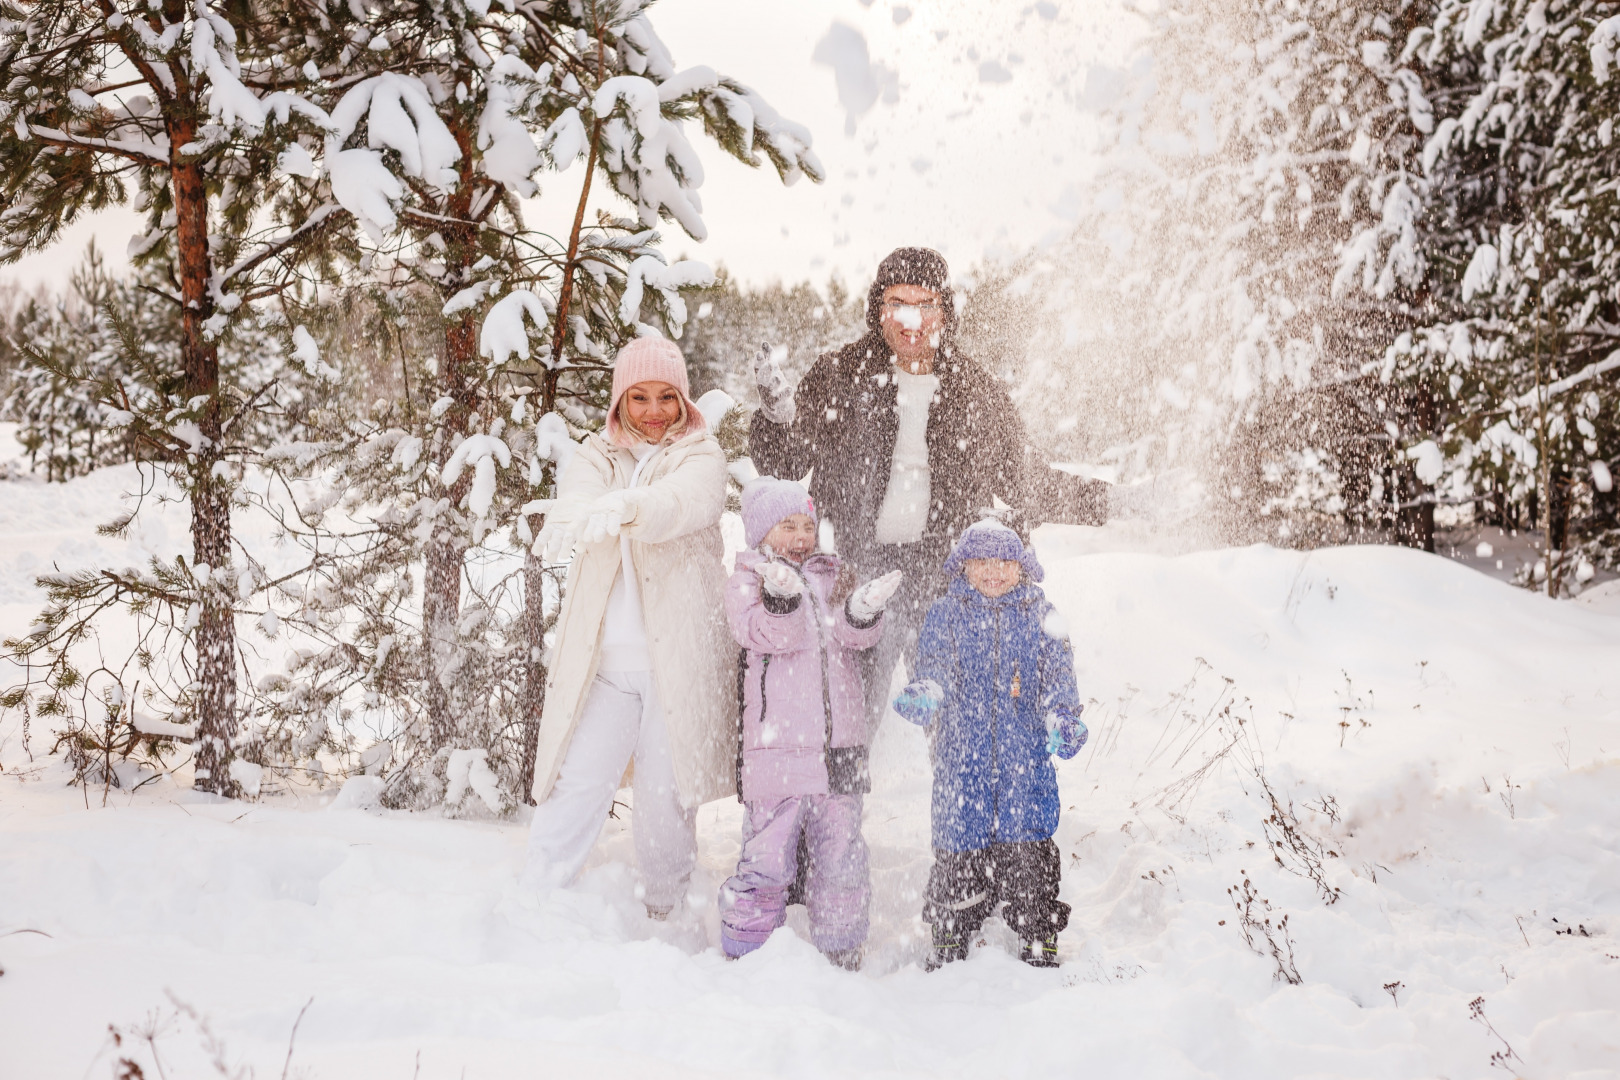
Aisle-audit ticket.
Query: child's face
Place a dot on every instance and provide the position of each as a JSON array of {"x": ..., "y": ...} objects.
[
  {"x": 794, "y": 537},
  {"x": 993, "y": 577}
]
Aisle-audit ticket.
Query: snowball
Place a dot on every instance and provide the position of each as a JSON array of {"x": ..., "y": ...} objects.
[
  {"x": 1484, "y": 551},
  {"x": 1055, "y": 626},
  {"x": 1602, "y": 479}
]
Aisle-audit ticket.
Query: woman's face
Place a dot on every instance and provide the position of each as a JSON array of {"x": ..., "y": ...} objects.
[
  {"x": 794, "y": 537},
  {"x": 653, "y": 409},
  {"x": 993, "y": 577}
]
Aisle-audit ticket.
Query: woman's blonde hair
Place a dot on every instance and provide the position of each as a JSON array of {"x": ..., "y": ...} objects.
[{"x": 627, "y": 424}]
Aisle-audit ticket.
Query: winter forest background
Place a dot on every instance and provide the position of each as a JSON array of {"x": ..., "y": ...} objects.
[
  {"x": 1350, "y": 266},
  {"x": 1330, "y": 273}
]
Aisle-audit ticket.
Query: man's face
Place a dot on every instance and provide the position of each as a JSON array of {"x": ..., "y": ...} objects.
[{"x": 912, "y": 321}]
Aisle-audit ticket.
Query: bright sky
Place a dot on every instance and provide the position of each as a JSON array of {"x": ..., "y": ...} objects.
[{"x": 955, "y": 124}]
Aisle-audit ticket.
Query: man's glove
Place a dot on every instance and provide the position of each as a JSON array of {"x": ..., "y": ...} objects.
[
  {"x": 867, "y": 602},
  {"x": 606, "y": 516},
  {"x": 1065, "y": 733},
  {"x": 775, "y": 391},
  {"x": 919, "y": 701},
  {"x": 780, "y": 580}
]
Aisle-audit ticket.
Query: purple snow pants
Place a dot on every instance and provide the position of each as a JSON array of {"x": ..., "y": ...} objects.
[{"x": 838, "y": 890}]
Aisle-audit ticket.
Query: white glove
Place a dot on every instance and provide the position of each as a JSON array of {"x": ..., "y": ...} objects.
[
  {"x": 781, "y": 580},
  {"x": 605, "y": 517},
  {"x": 775, "y": 391},
  {"x": 867, "y": 602},
  {"x": 557, "y": 539}
]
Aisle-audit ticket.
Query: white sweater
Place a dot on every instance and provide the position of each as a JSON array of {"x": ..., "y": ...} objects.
[
  {"x": 624, "y": 631},
  {"x": 904, "y": 512}
]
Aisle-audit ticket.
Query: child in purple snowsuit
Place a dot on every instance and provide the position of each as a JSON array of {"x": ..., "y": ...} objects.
[{"x": 803, "y": 771}]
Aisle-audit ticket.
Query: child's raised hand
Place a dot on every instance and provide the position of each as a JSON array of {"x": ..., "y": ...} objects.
[
  {"x": 868, "y": 601},
  {"x": 920, "y": 700},
  {"x": 780, "y": 580},
  {"x": 1065, "y": 732}
]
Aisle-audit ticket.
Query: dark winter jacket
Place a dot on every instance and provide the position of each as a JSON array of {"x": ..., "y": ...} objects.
[
  {"x": 1001, "y": 672},
  {"x": 846, "y": 425}
]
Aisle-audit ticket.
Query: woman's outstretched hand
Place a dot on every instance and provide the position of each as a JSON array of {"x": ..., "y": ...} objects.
[
  {"x": 867, "y": 602},
  {"x": 606, "y": 516},
  {"x": 557, "y": 539}
]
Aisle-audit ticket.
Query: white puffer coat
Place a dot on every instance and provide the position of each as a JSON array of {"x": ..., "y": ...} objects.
[{"x": 676, "y": 548}]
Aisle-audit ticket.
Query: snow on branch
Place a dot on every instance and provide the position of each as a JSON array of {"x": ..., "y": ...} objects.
[
  {"x": 1586, "y": 374},
  {"x": 1603, "y": 45},
  {"x": 510, "y": 156},
  {"x": 504, "y": 334},
  {"x": 650, "y": 270},
  {"x": 481, "y": 451}
]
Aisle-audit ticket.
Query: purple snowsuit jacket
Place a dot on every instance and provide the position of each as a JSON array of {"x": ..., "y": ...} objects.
[{"x": 800, "y": 680}]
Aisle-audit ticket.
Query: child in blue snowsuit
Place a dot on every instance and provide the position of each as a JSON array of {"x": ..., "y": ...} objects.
[{"x": 994, "y": 686}]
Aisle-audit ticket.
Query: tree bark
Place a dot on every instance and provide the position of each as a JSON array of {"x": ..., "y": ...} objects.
[
  {"x": 1558, "y": 500},
  {"x": 534, "y": 686},
  {"x": 441, "y": 584},
  {"x": 215, "y": 634}
]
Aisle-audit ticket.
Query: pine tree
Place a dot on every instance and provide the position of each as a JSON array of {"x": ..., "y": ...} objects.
[
  {"x": 444, "y": 116},
  {"x": 191, "y": 116}
]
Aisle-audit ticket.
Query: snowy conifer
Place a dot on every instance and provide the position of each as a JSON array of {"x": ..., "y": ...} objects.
[{"x": 193, "y": 117}]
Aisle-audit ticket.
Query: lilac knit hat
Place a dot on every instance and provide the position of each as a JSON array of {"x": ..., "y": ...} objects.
[
  {"x": 990, "y": 539},
  {"x": 767, "y": 501},
  {"x": 649, "y": 359}
]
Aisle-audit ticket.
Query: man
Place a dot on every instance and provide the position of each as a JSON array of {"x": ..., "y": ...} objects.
[{"x": 910, "y": 442}]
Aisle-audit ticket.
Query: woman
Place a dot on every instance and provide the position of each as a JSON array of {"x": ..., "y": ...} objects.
[{"x": 642, "y": 668}]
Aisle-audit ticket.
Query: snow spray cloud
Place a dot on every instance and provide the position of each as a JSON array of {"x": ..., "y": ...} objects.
[{"x": 1243, "y": 261}]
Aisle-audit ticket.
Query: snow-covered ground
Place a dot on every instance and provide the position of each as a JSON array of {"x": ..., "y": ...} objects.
[{"x": 1449, "y": 745}]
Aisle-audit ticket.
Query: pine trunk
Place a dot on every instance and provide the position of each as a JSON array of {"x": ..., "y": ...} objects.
[
  {"x": 534, "y": 686},
  {"x": 441, "y": 585},
  {"x": 215, "y": 634}
]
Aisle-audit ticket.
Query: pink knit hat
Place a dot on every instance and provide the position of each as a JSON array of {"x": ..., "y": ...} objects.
[{"x": 650, "y": 359}]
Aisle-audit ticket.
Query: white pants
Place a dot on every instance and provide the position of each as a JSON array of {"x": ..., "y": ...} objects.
[{"x": 621, "y": 718}]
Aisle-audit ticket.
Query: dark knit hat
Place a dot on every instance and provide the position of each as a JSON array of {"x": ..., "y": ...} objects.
[
  {"x": 990, "y": 539},
  {"x": 911, "y": 266}
]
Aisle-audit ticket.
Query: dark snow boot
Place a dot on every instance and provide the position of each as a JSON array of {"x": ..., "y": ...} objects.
[
  {"x": 949, "y": 946},
  {"x": 848, "y": 959},
  {"x": 1040, "y": 952}
]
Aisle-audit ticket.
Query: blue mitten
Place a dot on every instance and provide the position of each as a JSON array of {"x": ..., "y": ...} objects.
[
  {"x": 1065, "y": 733},
  {"x": 919, "y": 701}
]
